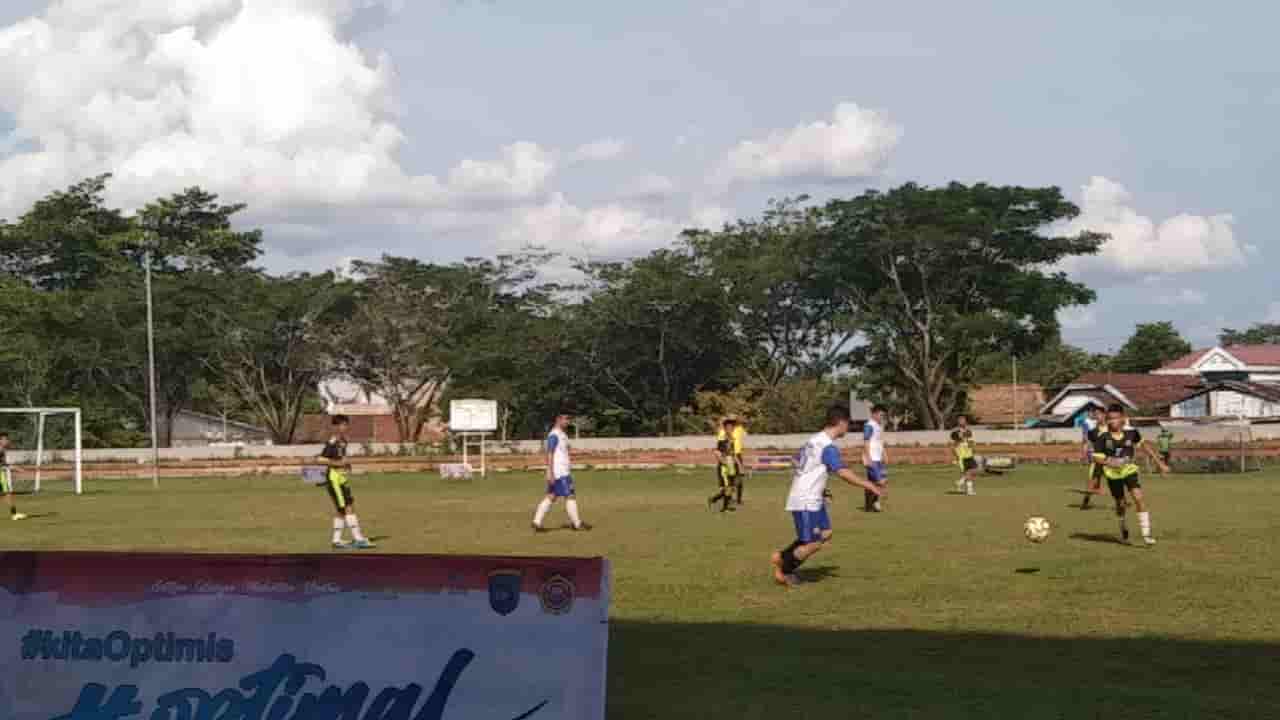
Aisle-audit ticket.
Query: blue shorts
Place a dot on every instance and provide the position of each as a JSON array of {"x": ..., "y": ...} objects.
[
  {"x": 877, "y": 473},
  {"x": 561, "y": 487},
  {"x": 810, "y": 524}
]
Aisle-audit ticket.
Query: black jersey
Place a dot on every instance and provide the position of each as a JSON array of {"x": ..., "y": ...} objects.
[
  {"x": 335, "y": 449},
  {"x": 1118, "y": 452}
]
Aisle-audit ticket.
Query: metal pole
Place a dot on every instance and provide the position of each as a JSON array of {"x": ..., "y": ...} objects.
[
  {"x": 151, "y": 372},
  {"x": 79, "y": 456}
]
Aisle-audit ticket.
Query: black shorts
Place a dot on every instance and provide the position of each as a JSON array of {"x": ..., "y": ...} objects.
[
  {"x": 969, "y": 464},
  {"x": 727, "y": 475},
  {"x": 1118, "y": 487},
  {"x": 340, "y": 494}
]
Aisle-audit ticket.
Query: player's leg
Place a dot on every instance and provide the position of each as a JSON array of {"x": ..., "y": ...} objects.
[
  {"x": 739, "y": 476},
  {"x": 1140, "y": 505},
  {"x": 1117, "y": 494},
  {"x": 1091, "y": 482},
  {"x": 544, "y": 507},
  {"x": 813, "y": 530},
  {"x": 970, "y": 475},
  {"x": 711, "y": 501},
  {"x": 571, "y": 506},
  {"x": 352, "y": 520},
  {"x": 334, "y": 490}
]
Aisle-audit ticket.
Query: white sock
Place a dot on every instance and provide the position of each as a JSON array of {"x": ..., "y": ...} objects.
[
  {"x": 572, "y": 507},
  {"x": 544, "y": 507},
  {"x": 353, "y": 523},
  {"x": 1144, "y": 522},
  {"x": 338, "y": 527},
  {"x": 968, "y": 487}
]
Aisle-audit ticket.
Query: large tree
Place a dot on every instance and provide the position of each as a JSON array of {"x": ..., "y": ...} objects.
[
  {"x": 939, "y": 277},
  {"x": 1151, "y": 346},
  {"x": 788, "y": 316},
  {"x": 651, "y": 333},
  {"x": 274, "y": 346}
]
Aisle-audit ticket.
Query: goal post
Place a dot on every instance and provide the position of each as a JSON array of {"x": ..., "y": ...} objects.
[{"x": 37, "y": 455}]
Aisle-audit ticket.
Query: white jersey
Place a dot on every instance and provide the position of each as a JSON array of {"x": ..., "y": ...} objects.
[
  {"x": 873, "y": 437},
  {"x": 558, "y": 446},
  {"x": 819, "y": 457}
]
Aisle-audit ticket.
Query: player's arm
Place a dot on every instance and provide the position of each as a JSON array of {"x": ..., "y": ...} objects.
[
  {"x": 867, "y": 432},
  {"x": 835, "y": 464},
  {"x": 553, "y": 442}
]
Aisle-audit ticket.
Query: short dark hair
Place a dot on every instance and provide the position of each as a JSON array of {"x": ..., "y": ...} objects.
[
  {"x": 730, "y": 421},
  {"x": 4, "y": 434},
  {"x": 878, "y": 408},
  {"x": 341, "y": 420},
  {"x": 1116, "y": 408},
  {"x": 837, "y": 414}
]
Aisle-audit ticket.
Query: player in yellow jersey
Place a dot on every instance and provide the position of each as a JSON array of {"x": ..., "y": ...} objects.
[
  {"x": 728, "y": 465},
  {"x": 962, "y": 445},
  {"x": 1116, "y": 449}
]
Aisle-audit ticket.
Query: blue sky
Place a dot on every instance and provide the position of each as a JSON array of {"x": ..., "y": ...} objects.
[{"x": 440, "y": 129}]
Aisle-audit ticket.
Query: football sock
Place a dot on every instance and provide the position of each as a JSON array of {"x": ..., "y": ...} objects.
[
  {"x": 571, "y": 506},
  {"x": 544, "y": 507},
  {"x": 338, "y": 527},
  {"x": 739, "y": 490},
  {"x": 353, "y": 524},
  {"x": 869, "y": 498},
  {"x": 13, "y": 509},
  {"x": 1144, "y": 522},
  {"x": 968, "y": 487}
]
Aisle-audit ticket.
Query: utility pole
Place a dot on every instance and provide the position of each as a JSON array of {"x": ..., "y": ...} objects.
[{"x": 151, "y": 371}]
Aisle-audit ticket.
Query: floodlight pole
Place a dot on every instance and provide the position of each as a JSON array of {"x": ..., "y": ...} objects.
[{"x": 151, "y": 373}]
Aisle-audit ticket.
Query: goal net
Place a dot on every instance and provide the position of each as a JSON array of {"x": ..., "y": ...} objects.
[
  {"x": 45, "y": 452},
  {"x": 1212, "y": 447}
]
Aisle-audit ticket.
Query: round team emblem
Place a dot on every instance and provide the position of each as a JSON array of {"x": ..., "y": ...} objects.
[{"x": 557, "y": 595}]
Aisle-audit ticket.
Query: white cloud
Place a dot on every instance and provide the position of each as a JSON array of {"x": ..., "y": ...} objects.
[
  {"x": 607, "y": 231},
  {"x": 521, "y": 172},
  {"x": 1077, "y": 318},
  {"x": 259, "y": 100},
  {"x": 605, "y": 149},
  {"x": 1138, "y": 244},
  {"x": 651, "y": 187},
  {"x": 1185, "y": 296},
  {"x": 854, "y": 144}
]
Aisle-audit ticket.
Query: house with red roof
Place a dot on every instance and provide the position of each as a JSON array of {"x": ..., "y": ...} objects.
[
  {"x": 1139, "y": 394},
  {"x": 1237, "y": 381}
]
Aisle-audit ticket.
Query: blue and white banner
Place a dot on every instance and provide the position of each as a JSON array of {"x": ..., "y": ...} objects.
[{"x": 91, "y": 636}]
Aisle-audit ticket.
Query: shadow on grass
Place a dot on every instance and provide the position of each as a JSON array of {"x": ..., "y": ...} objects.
[
  {"x": 1098, "y": 538},
  {"x": 747, "y": 672},
  {"x": 817, "y": 574}
]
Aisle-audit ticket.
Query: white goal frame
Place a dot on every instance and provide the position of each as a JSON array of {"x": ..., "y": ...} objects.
[{"x": 41, "y": 414}]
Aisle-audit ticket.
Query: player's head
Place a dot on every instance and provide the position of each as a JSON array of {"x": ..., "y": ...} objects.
[
  {"x": 878, "y": 412},
  {"x": 963, "y": 420},
  {"x": 837, "y": 423},
  {"x": 561, "y": 421},
  {"x": 730, "y": 423},
  {"x": 4, "y": 440},
  {"x": 1096, "y": 412},
  {"x": 341, "y": 424},
  {"x": 1116, "y": 418}
]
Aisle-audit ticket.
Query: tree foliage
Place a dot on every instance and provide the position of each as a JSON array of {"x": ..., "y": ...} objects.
[
  {"x": 1151, "y": 346},
  {"x": 1257, "y": 334}
]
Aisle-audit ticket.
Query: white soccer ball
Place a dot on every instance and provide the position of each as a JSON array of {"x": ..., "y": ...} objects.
[{"x": 1037, "y": 529}]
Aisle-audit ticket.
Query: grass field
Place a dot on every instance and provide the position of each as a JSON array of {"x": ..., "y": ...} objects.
[{"x": 937, "y": 608}]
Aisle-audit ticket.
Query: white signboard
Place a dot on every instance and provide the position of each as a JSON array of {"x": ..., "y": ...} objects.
[
  {"x": 106, "y": 636},
  {"x": 473, "y": 416}
]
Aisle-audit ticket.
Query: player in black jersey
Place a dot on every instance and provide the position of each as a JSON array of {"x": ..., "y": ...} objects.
[
  {"x": 338, "y": 486},
  {"x": 1094, "y": 425},
  {"x": 6, "y": 481},
  {"x": 1116, "y": 449}
]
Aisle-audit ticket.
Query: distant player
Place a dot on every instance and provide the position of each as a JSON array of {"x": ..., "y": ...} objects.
[
  {"x": 874, "y": 457},
  {"x": 962, "y": 446},
  {"x": 1116, "y": 448},
  {"x": 559, "y": 477},
  {"x": 1094, "y": 424},
  {"x": 1164, "y": 441},
  {"x": 728, "y": 466},
  {"x": 334, "y": 456},
  {"x": 6, "y": 480},
  {"x": 807, "y": 499},
  {"x": 739, "y": 436}
]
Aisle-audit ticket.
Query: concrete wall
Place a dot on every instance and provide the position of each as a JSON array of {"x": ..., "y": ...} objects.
[{"x": 755, "y": 443}]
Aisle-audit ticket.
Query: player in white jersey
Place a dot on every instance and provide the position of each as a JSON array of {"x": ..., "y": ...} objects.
[
  {"x": 874, "y": 458},
  {"x": 559, "y": 477},
  {"x": 807, "y": 500}
]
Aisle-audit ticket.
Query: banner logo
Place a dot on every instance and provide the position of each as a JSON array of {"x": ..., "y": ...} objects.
[
  {"x": 504, "y": 591},
  {"x": 557, "y": 595}
]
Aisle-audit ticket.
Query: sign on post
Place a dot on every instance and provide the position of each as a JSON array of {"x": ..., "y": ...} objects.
[
  {"x": 473, "y": 416},
  {"x": 100, "y": 636}
]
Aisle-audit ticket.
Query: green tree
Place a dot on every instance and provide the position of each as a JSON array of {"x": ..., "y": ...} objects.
[
  {"x": 651, "y": 333},
  {"x": 1151, "y": 346},
  {"x": 1257, "y": 334},
  {"x": 274, "y": 347},
  {"x": 937, "y": 278},
  {"x": 791, "y": 322},
  {"x": 1053, "y": 366}
]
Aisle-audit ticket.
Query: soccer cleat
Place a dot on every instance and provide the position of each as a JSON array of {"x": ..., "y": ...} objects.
[
  {"x": 1084, "y": 504},
  {"x": 18, "y": 516},
  {"x": 1149, "y": 540},
  {"x": 341, "y": 545},
  {"x": 537, "y": 528},
  {"x": 363, "y": 545},
  {"x": 1124, "y": 533},
  {"x": 584, "y": 527}
]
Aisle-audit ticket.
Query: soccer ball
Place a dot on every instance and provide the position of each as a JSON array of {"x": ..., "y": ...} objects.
[{"x": 1037, "y": 529}]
